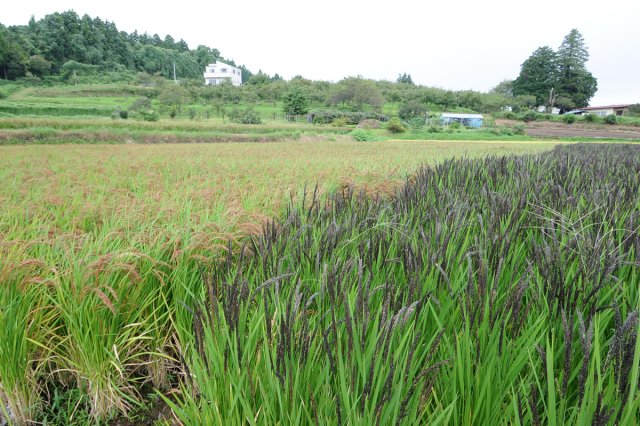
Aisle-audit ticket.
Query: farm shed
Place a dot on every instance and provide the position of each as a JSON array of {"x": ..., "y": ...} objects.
[
  {"x": 606, "y": 110},
  {"x": 469, "y": 120}
]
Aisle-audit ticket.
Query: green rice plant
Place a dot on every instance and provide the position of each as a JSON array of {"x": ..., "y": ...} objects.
[
  {"x": 484, "y": 291},
  {"x": 108, "y": 326},
  {"x": 26, "y": 343}
]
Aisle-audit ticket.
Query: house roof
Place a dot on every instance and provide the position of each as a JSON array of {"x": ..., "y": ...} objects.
[
  {"x": 456, "y": 115},
  {"x": 216, "y": 63},
  {"x": 591, "y": 108}
]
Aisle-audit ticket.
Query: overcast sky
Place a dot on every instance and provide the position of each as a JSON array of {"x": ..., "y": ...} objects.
[{"x": 454, "y": 45}]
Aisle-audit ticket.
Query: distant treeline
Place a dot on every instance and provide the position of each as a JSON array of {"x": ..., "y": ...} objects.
[
  {"x": 66, "y": 44},
  {"x": 69, "y": 49}
]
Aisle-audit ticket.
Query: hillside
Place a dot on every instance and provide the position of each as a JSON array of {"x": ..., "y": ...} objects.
[{"x": 67, "y": 44}]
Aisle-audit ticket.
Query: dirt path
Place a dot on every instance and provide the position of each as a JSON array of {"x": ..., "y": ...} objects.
[
  {"x": 582, "y": 133},
  {"x": 549, "y": 129}
]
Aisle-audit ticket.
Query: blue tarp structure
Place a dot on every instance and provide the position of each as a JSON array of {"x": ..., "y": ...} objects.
[{"x": 468, "y": 120}]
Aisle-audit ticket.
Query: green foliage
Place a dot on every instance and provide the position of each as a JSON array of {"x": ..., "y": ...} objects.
[
  {"x": 396, "y": 126},
  {"x": 362, "y": 135},
  {"x": 574, "y": 81},
  {"x": 356, "y": 93},
  {"x": 558, "y": 78},
  {"x": 295, "y": 101},
  {"x": 404, "y": 78},
  {"x": 590, "y": 118},
  {"x": 327, "y": 117},
  {"x": 519, "y": 129},
  {"x": 337, "y": 122},
  {"x": 148, "y": 115},
  {"x": 124, "y": 114},
  {"x": 634, "y": 110},
  {"x": 569, "y": 118},
  {"x": 142, "y": 103},
  {"x": 504, "y": 88},
  {"x": 610, "y": 119},
  {"x": 173, "y": 97},
  {"x": 530, "y": 116},
  {"x": 412, "y": 109},
  {"x": 538, "y": 75},
  {"x": 65, "y": 38},
  {"x": 245, "y": 116}
]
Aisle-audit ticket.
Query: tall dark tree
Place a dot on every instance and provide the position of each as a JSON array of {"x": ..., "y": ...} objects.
[
  {"x": 538, "y": 75},
  {"x": 404, "y": 79},
  {"x": 574, "y": 81},
  {"x": 13, "y": 55}
]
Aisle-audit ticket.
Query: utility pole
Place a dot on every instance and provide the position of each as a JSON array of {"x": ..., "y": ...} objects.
[{"x": 175, "y": 80}]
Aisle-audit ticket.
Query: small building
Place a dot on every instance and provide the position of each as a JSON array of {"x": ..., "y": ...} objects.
[
  {"x": 220, "y": 72},
  {"x": 606, "y": 110},
  {"x": 468, "y": 120}
]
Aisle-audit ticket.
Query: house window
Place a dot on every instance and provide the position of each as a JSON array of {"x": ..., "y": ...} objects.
[{"x": 223, "y": 70}]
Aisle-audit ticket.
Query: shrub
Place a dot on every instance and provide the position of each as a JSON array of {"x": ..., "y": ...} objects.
[
  {"x": 412, "y": 109},
  {"x": 326, "y": 117},
  {"x": 192, "y": 113},
  {"x": 124, "y": 114},
  {"x": 149, "y": 115},
  {"x": 369, "y": 124},
  {"x": 454, "y": 125},
  {"x": 339, "y": 122},
  {"x": 590, "y": 118},
  {"x": 519, "y": 129},
  {"x": 529, "y": 116},
  {"x": 245, "y": 116},
  {"x": 395, "y": 126},
  {"x": 140, "y": 104},
  {"x": 434, "y": 129},
  {"x": 416, "y": 122},
  {"x": 569, "y": 118},
  {"x": 610, "y": 119},
  {"x": 633, "y": 110},
  {"x": 362, "y": 135}
]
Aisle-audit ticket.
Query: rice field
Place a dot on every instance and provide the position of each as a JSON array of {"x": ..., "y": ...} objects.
[{"x": 482, "y": 290}]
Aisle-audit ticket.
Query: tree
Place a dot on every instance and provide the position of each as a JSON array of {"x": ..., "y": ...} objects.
[
  {"x": 405, "y": 79},
  {"x": 633, "y": 110},
  {"x": 13, "y": 57},
  {"x": 411, "y": 109},
  {"x": 357, "y": 92},
  {"x": 39, "y": 66},
  {"x": 259, "y": 79},
  {"x": 295, "y": 102},
  {"x": 205, "y": 55},
  {"x": 173, "y": 97},
  {"x": 504, "y": 88},
  {"x": 538, "y": 75},
  {"x": 552, "y": 76},
  {"x": 574, "y": 81}
]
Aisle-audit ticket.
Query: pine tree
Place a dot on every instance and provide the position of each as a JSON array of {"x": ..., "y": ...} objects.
[{"x": 574, "y": 81}]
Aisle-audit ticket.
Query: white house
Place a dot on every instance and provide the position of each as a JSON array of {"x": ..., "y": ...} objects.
[{"x": 219, "y": 72}]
